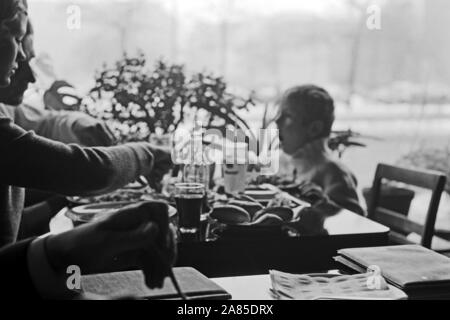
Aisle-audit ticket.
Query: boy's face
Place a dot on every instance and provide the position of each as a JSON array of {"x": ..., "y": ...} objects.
[{"x": 294, "y": 130}]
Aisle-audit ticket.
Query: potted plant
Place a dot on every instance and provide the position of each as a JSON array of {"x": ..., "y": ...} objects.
[
  {"x": 214, "y": 105},
  {"x": 139, "y": 102},
  {"x": 149, "y": 104}
]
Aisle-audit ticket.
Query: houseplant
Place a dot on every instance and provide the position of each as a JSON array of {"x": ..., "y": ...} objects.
[
  {"x": 149, "y": 104},
  {"x": 138, "y": 101}
]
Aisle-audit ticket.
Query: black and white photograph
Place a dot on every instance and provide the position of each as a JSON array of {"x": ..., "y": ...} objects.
[{"x": 230, "y": 153}]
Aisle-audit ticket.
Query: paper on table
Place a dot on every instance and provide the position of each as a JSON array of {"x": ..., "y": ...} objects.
[
  {"x": 132, "y": 284},
  {"x": 114, "y": 285},
  {"x": 287, "y": 286}
]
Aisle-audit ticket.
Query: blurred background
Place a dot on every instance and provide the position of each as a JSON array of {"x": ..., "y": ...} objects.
[{"x": 390, "y": 85}]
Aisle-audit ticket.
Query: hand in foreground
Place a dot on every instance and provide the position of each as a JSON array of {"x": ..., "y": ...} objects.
[
  {"x": 139, "y": 232},
  {"x": 92, "y": 132},
  {"x": 162, "y": 163}
]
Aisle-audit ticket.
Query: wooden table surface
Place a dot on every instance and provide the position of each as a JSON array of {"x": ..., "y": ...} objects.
[{"x": 307, "y": 253}]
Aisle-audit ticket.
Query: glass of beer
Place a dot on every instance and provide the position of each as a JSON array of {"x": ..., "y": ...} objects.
[{"x": 189, "y": 199}]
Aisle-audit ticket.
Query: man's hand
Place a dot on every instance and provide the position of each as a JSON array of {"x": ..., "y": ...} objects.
[
  {"x": 92, "y": 132},
  {"x": 162, "y": 163},
  {"x": 139, "y": 232}
]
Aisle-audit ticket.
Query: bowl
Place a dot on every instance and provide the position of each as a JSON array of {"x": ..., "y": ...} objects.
[{"x": 92, "y": 212}]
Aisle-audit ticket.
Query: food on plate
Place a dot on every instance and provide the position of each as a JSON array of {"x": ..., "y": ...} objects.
[
  {"x": 276, "y": 180},
  {"x": 92, "y": 212},
  {"x": 237, "y": 215},
  {"x": 261, "y": 195},
  {"x": 229, "y": 214},
  {"x": 120, "y": 195},
  {"x": 285, "y": 214},
  {"x": 250, "y": 207},
  {"x": 281, "y": 201},
  {"x": 244, "y": 197}
]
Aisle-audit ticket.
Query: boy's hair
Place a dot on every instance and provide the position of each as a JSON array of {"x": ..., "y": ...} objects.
[{"x": 316, "y": 104}]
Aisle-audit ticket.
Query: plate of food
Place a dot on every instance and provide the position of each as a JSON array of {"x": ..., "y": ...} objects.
[
  {"x": 92, "y": 212},
  {"x": 249, "y": 219},
  {"x": 280, "y": 181},
  {"x": 120, "y": 195},
  {"x": 260, "y": 194}
]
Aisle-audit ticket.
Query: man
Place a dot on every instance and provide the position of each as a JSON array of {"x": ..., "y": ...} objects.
[
  {"x": 67, "y": 127},
  {"x": 305, "y": 121},
  {"x": 31, "y": 161}
]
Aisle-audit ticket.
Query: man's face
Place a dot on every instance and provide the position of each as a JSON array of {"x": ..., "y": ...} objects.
[
  {"x": 23, "y": 76},
  {"x": 292, "y": 127},
  {"x": 12, "y": 33}
]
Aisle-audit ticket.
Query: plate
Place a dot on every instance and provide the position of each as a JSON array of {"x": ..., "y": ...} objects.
[
  {"x": 92, "y": 212},
  {"x": 120, "y": 195}
]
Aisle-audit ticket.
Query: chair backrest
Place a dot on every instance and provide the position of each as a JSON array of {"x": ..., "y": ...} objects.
[{"x": 431, "y": 180}]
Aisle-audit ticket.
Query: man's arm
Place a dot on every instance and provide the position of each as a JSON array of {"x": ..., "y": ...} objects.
[{"x": 63, "y": 126}]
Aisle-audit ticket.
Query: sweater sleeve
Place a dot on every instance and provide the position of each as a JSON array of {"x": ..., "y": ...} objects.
[
  {"x": 27, "y": 160},
  {"x": 55, "y": 125}
]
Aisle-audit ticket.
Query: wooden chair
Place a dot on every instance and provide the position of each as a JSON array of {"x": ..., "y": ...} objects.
[{"x": 400, "y": 225}]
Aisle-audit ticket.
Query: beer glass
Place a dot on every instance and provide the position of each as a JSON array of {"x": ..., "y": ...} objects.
[{"x": 189, "y": 200}]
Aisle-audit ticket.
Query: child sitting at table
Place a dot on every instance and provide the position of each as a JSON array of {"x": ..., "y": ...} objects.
[{"x": 305, "y": 120}]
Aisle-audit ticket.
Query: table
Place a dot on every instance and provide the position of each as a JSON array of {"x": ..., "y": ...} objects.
[
  {"x": 257, "y": 287},
  {"x": 247, "y": 288},
  {"x": 304, "y": 254}
]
